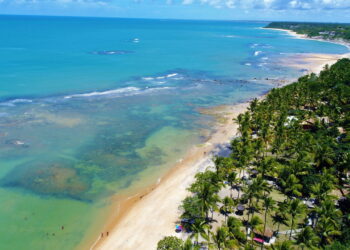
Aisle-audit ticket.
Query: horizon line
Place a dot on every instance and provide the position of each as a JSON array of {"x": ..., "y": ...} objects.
[{"x": 165, "y": 19}]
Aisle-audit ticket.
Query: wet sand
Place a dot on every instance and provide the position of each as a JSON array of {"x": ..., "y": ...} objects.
[{"x": 312, "y": 62}]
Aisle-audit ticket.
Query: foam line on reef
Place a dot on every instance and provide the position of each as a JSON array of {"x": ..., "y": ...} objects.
[{"x": 108, "y": 92}]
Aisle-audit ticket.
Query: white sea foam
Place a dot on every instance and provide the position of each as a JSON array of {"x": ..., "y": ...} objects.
[
  {"x": 248, "y": 64},
  {"x": 13, "y": 103},
  {"x": 147, "y": 78},
  {"x": 265, "y": 58},
  {"x": 126, "y": 90},
  {"x": 150, "y": 90},
  {"x": 21, "y": 101},
  {"x": 171, "y": 75},
  {"x": 256, "y": 53}
]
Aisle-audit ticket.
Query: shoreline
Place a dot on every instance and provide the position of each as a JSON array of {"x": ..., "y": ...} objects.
[
  {"x": 305, "y": 37},
  {"x": 145, "y": 218},
  {"x": 161, "y": 200},
  {"x": 313, "y": 62}
]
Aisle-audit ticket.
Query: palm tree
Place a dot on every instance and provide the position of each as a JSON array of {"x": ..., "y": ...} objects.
[
  {"x": 187, "y": 245},
  {"x": 266, "y": 165},
  {"x": 234, "y": 227},
  {"x": 285, "y": 245},
  {"x": 254, "y": 224},
  {"x": 327, "y": 230},
  {"x": 324, "y": 186},
  {"x": 249, "y": 247},
  {"x": 227, "y": 206},
  {"x": 327, "y": 209},
  {"x": 280, "y": 217},
  {"x": 324, "y": 155},
  {"x": 256, "y": 190},
  {"x": 328, "y": 224},
  {"x": 269, "y": 204},
  {"x": 198, "y": 229},
  {"x": 307, "y": 238},
  {"x": 233, "y": 180},
  {"x": 207, "y": 194},
  {"x": 220, "y": 237},
  {"x": 291, "y": 186},
  {"x": 295, "y": 208}
]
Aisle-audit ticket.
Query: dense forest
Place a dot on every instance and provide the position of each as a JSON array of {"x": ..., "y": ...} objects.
[
  {"x": 322, "y": 30},
  {"x": 285, "y": 184}
]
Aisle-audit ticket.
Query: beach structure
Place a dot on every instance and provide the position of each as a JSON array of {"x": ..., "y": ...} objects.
[{"x": 266, "y": 238}]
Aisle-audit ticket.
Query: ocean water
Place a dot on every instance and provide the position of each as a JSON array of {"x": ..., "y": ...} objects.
[{"x": 91, "y": 107}]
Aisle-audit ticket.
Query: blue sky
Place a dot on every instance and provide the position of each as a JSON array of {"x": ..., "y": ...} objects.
[{"x": 302, "y": 10}]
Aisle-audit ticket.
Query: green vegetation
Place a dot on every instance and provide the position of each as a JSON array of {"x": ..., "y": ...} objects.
[
  {"x": 287, "y": 174},
  {"x": 321, "y": 30},
  {"x": 170, "y": 243}
]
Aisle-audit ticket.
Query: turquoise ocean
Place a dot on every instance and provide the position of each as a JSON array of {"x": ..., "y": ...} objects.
[{"x": 92, "y": 107}]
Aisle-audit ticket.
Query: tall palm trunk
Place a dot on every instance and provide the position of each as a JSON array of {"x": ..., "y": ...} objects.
[
  {"x": 278, "y": 228},
  {"x": 262, "y": 245},
  {"x": 291, "y": 229},
  {"x": 250, "y": 201}
]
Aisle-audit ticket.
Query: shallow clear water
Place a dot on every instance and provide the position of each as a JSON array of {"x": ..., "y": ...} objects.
[{"x": 91, "y": 106}]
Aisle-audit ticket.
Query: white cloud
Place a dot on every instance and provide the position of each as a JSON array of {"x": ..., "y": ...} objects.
[
  {"x": 242, "y": 4},
  {"x": 230, "y": 4},
  {"x": 275, "y": 4},
  {"x": 186, "y": 2}
]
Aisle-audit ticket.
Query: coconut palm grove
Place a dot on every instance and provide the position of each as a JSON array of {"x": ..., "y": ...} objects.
[{"x": 285, "y": 184}]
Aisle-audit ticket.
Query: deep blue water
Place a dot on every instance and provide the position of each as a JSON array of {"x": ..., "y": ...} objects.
[{"x": 90, "y": 107}]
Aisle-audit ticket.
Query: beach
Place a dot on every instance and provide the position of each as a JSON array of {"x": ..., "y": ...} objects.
[
  {"x": 154, "y": 213},
  {"x": 303, "y": 36},
  {"x": 129, "y": 135},
  {"x": 311, "y": 62}
]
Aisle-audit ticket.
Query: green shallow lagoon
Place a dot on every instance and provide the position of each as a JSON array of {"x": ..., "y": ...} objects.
[{"x": 79, "y": 125}]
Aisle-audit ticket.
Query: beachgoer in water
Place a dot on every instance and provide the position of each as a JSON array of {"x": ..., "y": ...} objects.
[
  {"x": 107, "y": 233},
  {"x": 62, "y": 227},
  {"x": 101, "y": 235}
]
